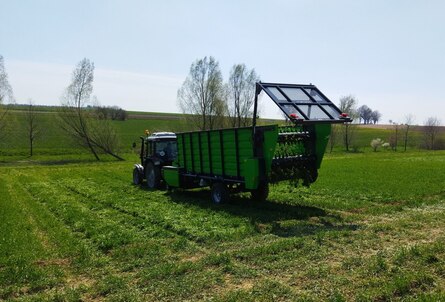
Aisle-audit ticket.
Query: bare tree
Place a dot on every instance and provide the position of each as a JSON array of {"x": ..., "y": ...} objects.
[
  {"x": 32, "y": 125},
  {"x": 241, "y": 94},
  {"x": 6, "y": 96},
  {"x": 104, "y": 136},
  {"x": 409, "y": 120},
  {"x": 347, "y": 104},
  {"x": 333, "y": 138},
  {"x": 430, "y": 131},
  {"x": 394, "y": 138},
  {"x": 365, "y": 113},
  {"x": 396, "y": 128},
  {"x": 202, "y": 95},
  {"x": 375, "y": 116},
  {"x": 82, "y": 124}
]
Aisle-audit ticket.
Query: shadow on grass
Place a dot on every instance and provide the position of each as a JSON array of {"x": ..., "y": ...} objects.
[
  {"x": 46, "y": 162},
  {"x": 270, "y": 216},
  {"x": 52, "y": 161}
]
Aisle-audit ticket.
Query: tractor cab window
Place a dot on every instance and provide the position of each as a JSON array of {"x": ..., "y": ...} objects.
[
  {"x": 148, "y": 148},
  {"x": 166, "y": 149}
]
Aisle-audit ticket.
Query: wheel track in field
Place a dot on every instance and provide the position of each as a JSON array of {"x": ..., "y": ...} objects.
[
  {"x": 136, "y": 210},
  {"x": 91, "y": 201},
  {"x": 200, "y": 260},
  {"x": 82, "y": 207},
  {"x": 71, "y": 279},
  {"x": 29, "y": 216},
  {"x": 275, "y": 240},
  {"x": 52, "y": 257},
  {"x": 127, "y": 217},
  {"x": 88, "y": 197}
]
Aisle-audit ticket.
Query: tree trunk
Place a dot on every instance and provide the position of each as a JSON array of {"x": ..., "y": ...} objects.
[
  {"x": 115, "y": 156},
  {"x": 90, "y": 146}
]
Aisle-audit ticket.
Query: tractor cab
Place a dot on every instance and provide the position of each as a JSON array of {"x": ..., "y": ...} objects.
[
  {"x": 157, "y": 150},
  {"x": 160, "y": 146}
]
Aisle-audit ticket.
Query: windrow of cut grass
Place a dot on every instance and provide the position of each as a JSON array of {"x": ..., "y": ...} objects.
[{"x": 370, "y": 229}]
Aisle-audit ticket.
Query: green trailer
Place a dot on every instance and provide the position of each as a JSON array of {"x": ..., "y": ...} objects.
[{"x": 248, "y": 159}]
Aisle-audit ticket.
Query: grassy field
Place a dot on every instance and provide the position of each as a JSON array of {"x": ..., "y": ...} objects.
[
  {"x": 52, "y": 140},
  {"x": 370, "y": 229}
]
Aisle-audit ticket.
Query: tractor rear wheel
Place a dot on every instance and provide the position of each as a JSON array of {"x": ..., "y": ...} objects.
[
  {"x": 153, "y": 176},
  {"x": 137, "y": 176},
  {"x": 219, "y": 193},
  {"x": 260, "y": 194}
]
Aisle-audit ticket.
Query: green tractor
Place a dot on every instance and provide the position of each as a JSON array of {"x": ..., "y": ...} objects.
[
  {"x": 245, "y": 159},
  {"x": 157, "y": 150}
]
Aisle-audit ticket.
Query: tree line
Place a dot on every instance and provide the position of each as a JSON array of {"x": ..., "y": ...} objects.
[
  {"x": 367, "y": 115},
  {"x": 346, "y": 133},
  {"x": 206, "y": 100}
]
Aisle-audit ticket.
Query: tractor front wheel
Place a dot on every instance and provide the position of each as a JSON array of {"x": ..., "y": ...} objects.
[
  {"x": 153, "y": 176},
  {"x": 219, "y": 193},
  {"x": 137, "y": 176}
]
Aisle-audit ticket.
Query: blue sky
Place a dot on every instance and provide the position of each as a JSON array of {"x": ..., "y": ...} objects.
[{"x": 388, "y": 54}]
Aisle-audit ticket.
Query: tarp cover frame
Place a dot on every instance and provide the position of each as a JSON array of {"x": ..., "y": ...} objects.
[{"x": 302, "y": 103}]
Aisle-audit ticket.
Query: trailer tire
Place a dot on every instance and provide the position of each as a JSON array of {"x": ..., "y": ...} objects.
[
  {"x": 310, "y": 177},
  {"x": 153, "y": 176},
  {"x": 260, "y": 194},
  {"x": 137, "y": 176},
  {"x": 219, "y": 193}
]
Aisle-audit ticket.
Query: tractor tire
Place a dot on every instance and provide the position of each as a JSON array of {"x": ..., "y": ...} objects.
[
  {"x": 260, "y": 194},
  {"x": 219, "y": 193},
  {"x": 137, "y": 177},
  {"x": 153, "y": 176}
]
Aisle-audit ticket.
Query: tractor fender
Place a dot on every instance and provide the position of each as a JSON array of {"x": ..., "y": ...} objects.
[{"x": 139, "y": 168}]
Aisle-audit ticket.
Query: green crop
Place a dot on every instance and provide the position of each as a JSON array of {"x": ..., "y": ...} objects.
[{"x": 370, "y": 229}]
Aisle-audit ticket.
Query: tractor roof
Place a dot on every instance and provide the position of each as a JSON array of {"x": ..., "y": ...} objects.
[
  {"x": 162, "y": 136},
  {"x": 303, "y": 103}
]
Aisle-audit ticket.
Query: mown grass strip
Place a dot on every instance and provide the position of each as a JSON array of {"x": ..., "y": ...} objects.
[{"x": 44, "y": 258}]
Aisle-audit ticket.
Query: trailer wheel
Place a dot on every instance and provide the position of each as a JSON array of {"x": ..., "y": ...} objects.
[
  {"x": 219, "y": 193},
  {"x": 137, "y": 176},
  {"x": 153, "y": 176},
  {"x": 260, "y": 194},
  {"x": 310, "y": 177}
]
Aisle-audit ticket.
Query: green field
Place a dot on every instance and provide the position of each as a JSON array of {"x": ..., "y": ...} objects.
[
  {"x": 370, "y": 229},
  {"x": 72, "y": 229},
  {"x": 52, "y": 140}
]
